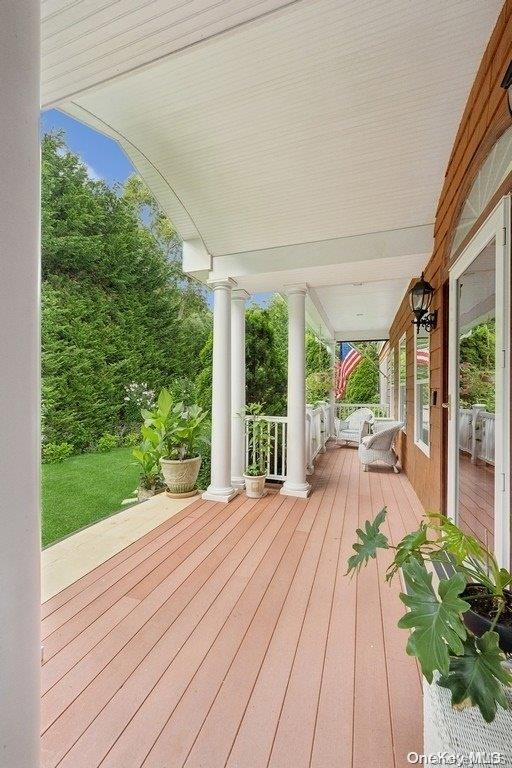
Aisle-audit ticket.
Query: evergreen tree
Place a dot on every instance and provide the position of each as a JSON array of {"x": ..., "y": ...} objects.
[{"x": 115, "y": 308}]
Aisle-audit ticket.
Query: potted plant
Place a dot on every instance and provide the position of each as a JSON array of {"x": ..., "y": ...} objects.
[
  {"x": 148, "y": 457},
  {"x": 460, "y": 630},
  {"x": 177, "y": 430},
  {"x": 259, "y": 443}
]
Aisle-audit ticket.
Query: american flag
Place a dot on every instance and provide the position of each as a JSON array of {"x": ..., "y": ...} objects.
[
  {"x": 348, "y": 360},
  {"x": 422, "y": 356}
]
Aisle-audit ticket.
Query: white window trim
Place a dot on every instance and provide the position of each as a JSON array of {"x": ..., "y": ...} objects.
[
  {"x": 403, "y": 339},
  {"x": 417, "y": 441},
  {"x": 391, "y": 371}
]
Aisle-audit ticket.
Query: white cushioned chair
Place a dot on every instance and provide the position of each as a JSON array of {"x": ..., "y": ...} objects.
[
  {"x": 379, "y": 447},
  {"x": 353, "y": 429}
]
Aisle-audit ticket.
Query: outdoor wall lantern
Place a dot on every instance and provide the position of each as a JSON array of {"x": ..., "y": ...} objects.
[
  {"x": 507, "y": 85},
  {"x": 420, "y": 298}
]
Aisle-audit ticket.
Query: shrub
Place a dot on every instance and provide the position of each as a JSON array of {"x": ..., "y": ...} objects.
[
  {"x": 54, "y": 453},
  {"x": 131, "y": 439},
  {"x": 204, "y": 477},
  {"x": 107, "y": 442}
]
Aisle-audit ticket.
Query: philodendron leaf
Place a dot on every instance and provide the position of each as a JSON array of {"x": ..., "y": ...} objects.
[
  {"x": 477, "y": 677},
  {"x": 435, "y": 619},
  {"x": 407, "y": 549},
  {"x": 371, "y": 539},
  {"x": 455, "y": 541}
]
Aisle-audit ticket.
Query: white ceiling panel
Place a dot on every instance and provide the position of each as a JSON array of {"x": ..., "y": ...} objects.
[{"x": 278, "y": 135}]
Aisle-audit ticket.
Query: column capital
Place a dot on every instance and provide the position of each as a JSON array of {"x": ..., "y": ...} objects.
[
  {"x": 300, "y": 288},
  {"x": 221, "y": 282},
  {"x": 239, "y": 294}
]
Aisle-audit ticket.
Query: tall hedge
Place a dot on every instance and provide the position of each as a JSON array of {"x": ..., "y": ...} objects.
[{"x": 115, "y": 309}]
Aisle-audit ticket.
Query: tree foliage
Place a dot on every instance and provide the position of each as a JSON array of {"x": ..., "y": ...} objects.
[
  {"x": 115, "y": 307},
  {"x": 477, "y": 361}
]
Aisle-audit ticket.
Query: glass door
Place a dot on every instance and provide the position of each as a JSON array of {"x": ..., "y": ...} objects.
[{"x": 479, "y": 352}]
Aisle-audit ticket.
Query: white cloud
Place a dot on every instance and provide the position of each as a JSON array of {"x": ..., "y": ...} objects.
[{"x": 92, "y": 172}]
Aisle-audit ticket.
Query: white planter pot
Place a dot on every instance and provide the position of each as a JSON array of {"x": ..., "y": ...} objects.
[
  {"x": 464, "y": 732},
  {"x": 181, "y": 476},
  {"x": 254, "y": 486}
]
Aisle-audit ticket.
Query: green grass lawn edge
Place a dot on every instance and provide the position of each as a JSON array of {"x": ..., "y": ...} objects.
[{"x": 84, "y": 489}]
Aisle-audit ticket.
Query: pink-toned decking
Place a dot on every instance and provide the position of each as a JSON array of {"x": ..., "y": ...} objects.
[{"x": 231, "y": 636}]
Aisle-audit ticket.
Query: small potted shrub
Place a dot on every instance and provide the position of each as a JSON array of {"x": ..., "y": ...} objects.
[
  {"x": 148, "y": 458},
  {"x": 462, "y": 629},
  {"x": 259, "y": 443},
  {"x": 177, "y": 431}
]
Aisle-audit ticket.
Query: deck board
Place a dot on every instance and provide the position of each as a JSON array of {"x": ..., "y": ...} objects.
[{"x": 230, "y": 636}]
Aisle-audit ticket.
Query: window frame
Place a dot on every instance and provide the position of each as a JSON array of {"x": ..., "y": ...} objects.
[
  {"x": 417, "y": 439},
  {"x": 391, "y": 381}
]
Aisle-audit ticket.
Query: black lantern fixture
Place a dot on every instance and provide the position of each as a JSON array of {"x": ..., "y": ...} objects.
[
  {"x": 420, "y": 299},
  {"x": 506, "y": 83}
]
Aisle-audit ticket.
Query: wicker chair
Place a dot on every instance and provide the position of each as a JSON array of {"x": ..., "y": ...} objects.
[
  {"x": 379, "y": 447},
  {"x": 353, "y": 429}
]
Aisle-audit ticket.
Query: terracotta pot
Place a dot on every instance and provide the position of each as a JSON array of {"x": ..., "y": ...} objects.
[
  {"x": 254, "y": 486},
  {"x": 180, "y": 476}
]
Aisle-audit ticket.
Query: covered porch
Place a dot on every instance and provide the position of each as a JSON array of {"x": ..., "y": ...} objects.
[{"x": 229, "y": 635}]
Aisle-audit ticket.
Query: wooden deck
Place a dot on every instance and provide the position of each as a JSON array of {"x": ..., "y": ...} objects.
[{"x": 229, "y": 636}]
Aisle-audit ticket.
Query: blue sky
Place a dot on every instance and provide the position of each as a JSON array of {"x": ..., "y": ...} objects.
[{"x": 103, "y": 157}]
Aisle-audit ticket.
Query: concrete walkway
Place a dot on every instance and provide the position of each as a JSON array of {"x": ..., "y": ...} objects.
[{"x": 69, "y": 559}]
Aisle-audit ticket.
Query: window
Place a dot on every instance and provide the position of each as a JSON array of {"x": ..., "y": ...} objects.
[
  {"x": 422, "y": 390},
  {"x": 402, "y": 380}
]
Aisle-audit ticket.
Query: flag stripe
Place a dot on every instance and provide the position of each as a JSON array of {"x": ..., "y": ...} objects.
[{"x": 350, "y": 357}]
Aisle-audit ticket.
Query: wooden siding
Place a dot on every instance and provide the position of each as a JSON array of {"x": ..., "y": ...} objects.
[
  {"x": 231, "y": 636},
  {"x": 484, "y": 120}
]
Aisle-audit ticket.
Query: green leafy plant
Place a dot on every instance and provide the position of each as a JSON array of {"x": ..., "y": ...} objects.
[
  {"x": 260, "y": 440},
  {"x": 175, "y": 429},
  {"x": 470, "y": 667},
  {"x": 107, "y": 443},
  {"x": 55, "y": 453},
  {"x": 147, "y": 455}
]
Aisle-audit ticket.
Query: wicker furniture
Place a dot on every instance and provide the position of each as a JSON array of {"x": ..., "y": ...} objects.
[
  {"x": 353, "y": 429},
  {"x": 379, "y": 447}
]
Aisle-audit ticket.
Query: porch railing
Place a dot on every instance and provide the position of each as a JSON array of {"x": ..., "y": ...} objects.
[
  {"x": 318, "y": 431},
  {"x": 380, "y": 410},
  {"x": 476, "y": 433},
  {"x": 277, "y": 428}
]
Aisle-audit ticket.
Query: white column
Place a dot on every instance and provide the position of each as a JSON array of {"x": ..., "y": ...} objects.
[
  {"x": 296, "y": 483},
  {"x": 20, "y": 598},
  {"x": 220, "y": 488},
  {"x": 238, "y": 300}
]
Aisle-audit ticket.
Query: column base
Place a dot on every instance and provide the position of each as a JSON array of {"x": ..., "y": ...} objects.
[
  {"x": 300, "y": 490},
  {"x": 238, "y": 483},
  {"x": 219, "y": 494}
]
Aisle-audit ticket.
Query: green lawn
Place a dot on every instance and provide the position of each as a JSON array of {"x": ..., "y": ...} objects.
[{"x": 84, "y": 489}]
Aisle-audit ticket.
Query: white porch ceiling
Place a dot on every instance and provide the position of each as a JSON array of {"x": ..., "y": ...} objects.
[{"x": 298, "y": 142}]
